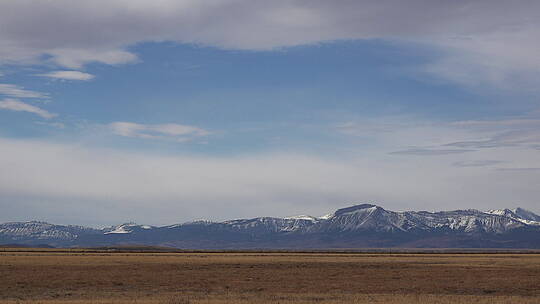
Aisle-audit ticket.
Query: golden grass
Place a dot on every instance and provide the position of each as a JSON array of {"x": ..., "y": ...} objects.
[
  {"x": 294, "y": 299},
  {"x": 54, "y": 277}
]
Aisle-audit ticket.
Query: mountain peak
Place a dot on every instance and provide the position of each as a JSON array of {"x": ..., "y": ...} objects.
[
  {"x": 302, "y": 217},
  {"x": 354, "y": 209},
  {"x": 518, "y": 214},
  {"x": 526, "y": 214},
  {"x": 125, "y": 228}
]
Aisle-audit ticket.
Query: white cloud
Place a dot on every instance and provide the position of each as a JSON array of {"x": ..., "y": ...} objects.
[
  {"x": 485, "y": 41},
  {"x": 16, "y": 91},
  {"x": 505, "y": 55},
  {"x": 19, "y": 106},
  {"x": 159, "y": 131},
  {"x": 76, "y": 58},
  {"x": 69, "y": 75}
]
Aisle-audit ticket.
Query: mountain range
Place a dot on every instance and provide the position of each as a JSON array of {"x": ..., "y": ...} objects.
[{"x": 359, "y": 226}]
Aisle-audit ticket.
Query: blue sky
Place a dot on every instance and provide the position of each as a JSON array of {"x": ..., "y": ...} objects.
[{"x": 166, "y": 112}]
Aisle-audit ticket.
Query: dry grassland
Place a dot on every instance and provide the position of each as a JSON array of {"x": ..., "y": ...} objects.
[{"x": 51, "y": 277}]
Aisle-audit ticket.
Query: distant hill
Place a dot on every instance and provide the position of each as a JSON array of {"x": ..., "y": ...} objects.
[{"x": 359, "y": 226}]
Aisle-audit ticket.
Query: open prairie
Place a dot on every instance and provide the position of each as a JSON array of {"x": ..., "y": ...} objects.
[{"x": 78, "y": 276}]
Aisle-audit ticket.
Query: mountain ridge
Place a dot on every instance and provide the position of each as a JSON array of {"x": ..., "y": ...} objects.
[{"x": 363, "y": 225}]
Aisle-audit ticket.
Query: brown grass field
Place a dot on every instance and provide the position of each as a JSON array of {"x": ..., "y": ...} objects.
[{"x": 79, "y": 276}]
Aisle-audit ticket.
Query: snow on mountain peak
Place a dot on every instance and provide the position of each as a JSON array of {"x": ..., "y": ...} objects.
[
  {"x": 325, "y": 217},
  {"x": 526, "y": 214},
  {"x": 302, "y": 217},
  {"x": 518, "y": 214},
  {"x": 360, "y": 220},
  {"x": 125, "y": 228},
  {"x": 356, "y": 208}
]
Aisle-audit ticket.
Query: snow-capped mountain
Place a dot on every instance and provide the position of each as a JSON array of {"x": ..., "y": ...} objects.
[
  {"x": 519, "y": 214},
  {"x": 36, "y": 232},
  {"x": 362, "y": 218},
  {"x": 271, "y": 224},
  {"x": 364, "y": 225},
  {"x": 126, "y": 228}
]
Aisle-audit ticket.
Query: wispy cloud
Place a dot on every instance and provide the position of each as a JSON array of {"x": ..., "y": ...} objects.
[
  {"x": 68, "y": 75},
  {"x": 414, "y": 136},
  {"x": 505, "y": 136},
  {"x": 501, "y": 123},
  {"x": 170, "y": 131},
  {"x": 19, "y": 106},
  {"x": 429, "y": 151},
  {"x": 519, "y": 169},
  {"x": 477, "y": 163},
  {"x": 368, "y": 128},
  {"x": 12, "y": 90},
  {"x": 57, "y": 125}
]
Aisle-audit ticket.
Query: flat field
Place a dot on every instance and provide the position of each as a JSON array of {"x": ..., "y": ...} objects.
[{"x": 78, "y": 276}]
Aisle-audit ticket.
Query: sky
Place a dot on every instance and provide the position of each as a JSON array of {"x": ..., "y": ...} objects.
[{"x": 166, "y": 111}]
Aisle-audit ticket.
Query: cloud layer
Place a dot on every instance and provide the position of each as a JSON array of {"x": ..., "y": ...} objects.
[
  {"x": 74, "y": 183},
  {"x": 481, "y": 41}
]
